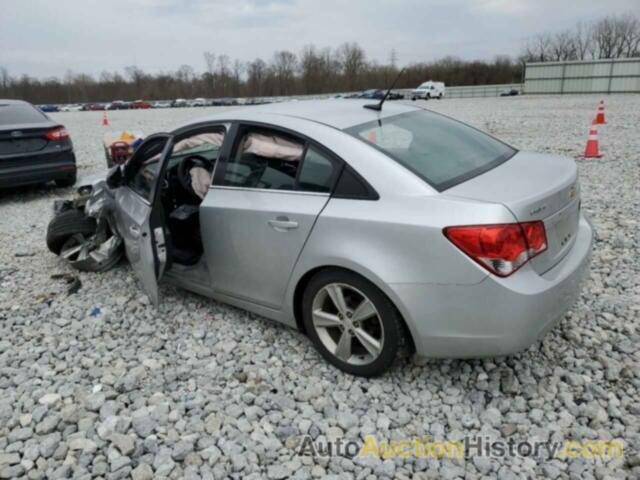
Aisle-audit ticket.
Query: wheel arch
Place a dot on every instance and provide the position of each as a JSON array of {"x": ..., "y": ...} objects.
[{"x": 304, "y": 280}]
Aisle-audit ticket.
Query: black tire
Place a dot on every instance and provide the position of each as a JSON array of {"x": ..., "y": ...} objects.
[
  {"x": 66, "y": 224},
  {"x": 69, "y": 223},
  {"x": 66, "y": 182},
  {"x": 389, "y": 316}
]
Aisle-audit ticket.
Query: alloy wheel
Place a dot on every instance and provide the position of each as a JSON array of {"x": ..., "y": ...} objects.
[
  {"x": 348, "y": 324},
  {"x": 85, "y": 250}
]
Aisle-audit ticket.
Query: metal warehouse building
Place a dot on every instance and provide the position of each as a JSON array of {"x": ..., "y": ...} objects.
[{"x": 592, "y": 76}]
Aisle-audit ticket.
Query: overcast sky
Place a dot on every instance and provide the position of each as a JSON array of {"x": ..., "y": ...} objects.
[{"x": 45, "y": 38}]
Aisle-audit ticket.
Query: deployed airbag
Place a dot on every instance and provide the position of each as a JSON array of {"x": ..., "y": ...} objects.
[
  {"x": 272, "y": 146},
  {"x": 200, "y": 181}
]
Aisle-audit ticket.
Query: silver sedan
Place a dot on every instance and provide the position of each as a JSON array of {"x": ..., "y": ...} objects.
[{"x": 367, "y": 229}]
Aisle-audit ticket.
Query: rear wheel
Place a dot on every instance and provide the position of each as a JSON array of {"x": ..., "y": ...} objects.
[{"x": 351, "y": 322}]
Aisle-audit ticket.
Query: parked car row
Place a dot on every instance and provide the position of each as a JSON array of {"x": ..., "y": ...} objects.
[
  {"x": 143, "y": 104},
  {"x": 374, "y": 94}
]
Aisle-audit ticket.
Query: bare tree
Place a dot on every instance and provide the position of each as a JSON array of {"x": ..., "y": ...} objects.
[
  {"x": 630, "y": 28},
  {"x": 223, "y": 75},
  {"x": 238, "y": 68},
  {"x": 210, "y": 62},
  {"x": 353, "y": 61},
  {"x": 256, "y": 73},
  {"x": 562, "y": 46},
  {"x": 284, "y": 66},
  {"x": 5, "y": 79},
  {"x": 583, "y": 41}
]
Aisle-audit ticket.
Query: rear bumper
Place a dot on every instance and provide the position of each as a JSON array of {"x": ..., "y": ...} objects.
[
  {"x": 496, "y": 316},
  {"x": 39, "y": 169}
]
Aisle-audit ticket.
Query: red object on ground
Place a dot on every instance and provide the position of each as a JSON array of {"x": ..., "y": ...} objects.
[
  {"x": 600, "y": 116},
  {"x": 105, "y": 120},
  {"x": 120, "y": 152},
  {"x": 592, "y": 150}
]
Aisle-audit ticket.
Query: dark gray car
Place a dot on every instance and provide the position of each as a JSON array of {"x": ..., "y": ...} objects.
[{"x": 33, "y": 147}]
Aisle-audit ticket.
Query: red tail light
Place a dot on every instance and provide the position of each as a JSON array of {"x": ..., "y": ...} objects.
[
  {"x": 501, "y": 249},
  {"x": 57, "y": 134}
]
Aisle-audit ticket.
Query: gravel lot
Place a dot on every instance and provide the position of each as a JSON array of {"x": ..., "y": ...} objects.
[{"x": 200, "y": 389}]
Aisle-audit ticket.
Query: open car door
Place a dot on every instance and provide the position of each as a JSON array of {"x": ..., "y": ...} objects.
[{"x": 139, "y": 211}]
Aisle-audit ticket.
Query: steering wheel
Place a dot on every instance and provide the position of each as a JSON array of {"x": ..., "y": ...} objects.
[{"x": 184, "y": 167}]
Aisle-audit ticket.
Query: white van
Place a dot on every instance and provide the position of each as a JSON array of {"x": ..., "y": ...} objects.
[{"x": 428, "y": 90}]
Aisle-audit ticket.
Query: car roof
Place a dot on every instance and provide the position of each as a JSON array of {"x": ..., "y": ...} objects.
[
  {"x": 337, "y": 113},
  {"x": 13, "y": 102}
]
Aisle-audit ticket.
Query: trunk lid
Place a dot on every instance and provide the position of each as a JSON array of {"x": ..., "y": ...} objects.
[
  {"x": 23, "y": 139},
  {"x": 534, "y": 186}
]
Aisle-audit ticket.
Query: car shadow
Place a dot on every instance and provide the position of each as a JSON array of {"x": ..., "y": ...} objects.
[{"x": 28, "y": 193}]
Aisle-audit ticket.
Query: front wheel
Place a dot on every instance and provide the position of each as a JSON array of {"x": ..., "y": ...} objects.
[
  {"x": 79, "y": 240},
  {"x": 351, "y": 322}
]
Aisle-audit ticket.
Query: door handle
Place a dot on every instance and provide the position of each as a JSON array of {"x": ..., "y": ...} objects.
[
  {"x": 283, "y": 224},
  {"x": 134, "y": 230}
]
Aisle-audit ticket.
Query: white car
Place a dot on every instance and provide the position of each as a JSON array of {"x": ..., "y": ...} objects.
[
  {"x": 71, "y": 108},
  {"x": 428, "y": 90},
  {"x": 161, "y": 104},
  {"x": 197, "y": 102}
]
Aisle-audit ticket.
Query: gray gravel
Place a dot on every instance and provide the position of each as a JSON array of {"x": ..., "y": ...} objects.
[{"x": 203, "y": 390}]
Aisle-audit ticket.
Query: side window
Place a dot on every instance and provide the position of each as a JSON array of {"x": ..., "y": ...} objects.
[
  {"x": 264, "y": 158},
  {"x": 317, "y": 172},
  {"x": 142, "y": 170}
]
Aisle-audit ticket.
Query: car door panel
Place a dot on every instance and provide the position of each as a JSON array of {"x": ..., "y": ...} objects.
[
  {"x": 134, "y": 227},
  {"x": 252, "y": 239},
  {"x": 140, "y": 223}
]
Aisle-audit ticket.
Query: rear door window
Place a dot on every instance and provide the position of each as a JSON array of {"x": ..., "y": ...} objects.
[
  {"x": 273, "y": 160},
  {"x": 317, "y": 172},
  {"x": 264, "y": 159}
]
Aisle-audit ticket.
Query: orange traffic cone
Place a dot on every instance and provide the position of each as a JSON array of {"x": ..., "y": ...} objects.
[
  {"x": 600, "y": 115},
  {"x": 591, "y": 150},
  {"x": 105, "y": 120}
]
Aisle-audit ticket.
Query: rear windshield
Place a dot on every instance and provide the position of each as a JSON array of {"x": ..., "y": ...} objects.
[
  {"x": 11, "y": 114},
  {"x": 440, "y": 150}
]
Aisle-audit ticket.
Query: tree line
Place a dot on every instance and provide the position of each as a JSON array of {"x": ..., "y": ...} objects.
[
  {"x": 609, "y": 37},
  {"x": 311, "y": 71},
  {"x": 323, "y": 70}
]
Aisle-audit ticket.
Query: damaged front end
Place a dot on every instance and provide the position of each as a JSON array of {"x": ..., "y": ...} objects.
[{"x": 83, "y": 230}]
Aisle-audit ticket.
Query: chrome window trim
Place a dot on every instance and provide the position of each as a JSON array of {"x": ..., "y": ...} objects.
[{"x": 269, "y": 190}]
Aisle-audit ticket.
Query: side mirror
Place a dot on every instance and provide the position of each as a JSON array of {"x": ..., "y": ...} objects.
[{"x": 115, "y": 178}]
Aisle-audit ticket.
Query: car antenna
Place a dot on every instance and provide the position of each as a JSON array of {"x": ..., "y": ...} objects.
[{"x": 378, "y": 106}]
